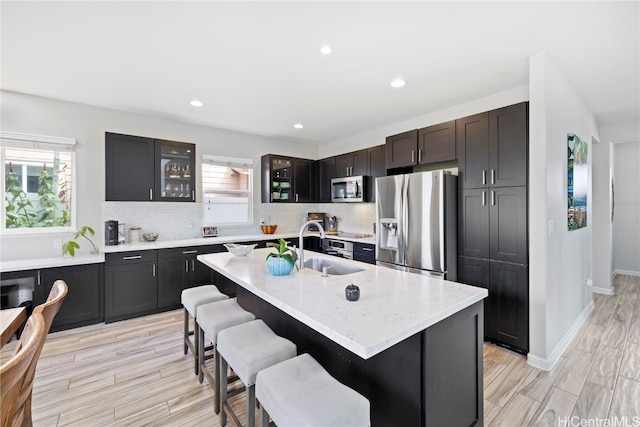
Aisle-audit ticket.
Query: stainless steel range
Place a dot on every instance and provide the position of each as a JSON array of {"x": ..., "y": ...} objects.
[{"x": 338, "y": 248}]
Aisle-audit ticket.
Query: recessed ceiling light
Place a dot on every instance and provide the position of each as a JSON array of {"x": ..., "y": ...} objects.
[
  {"x": 398, "y": 83},
  {"x": 326, "y": 50},
  {"x": 298, "y": 126},
  {"x": 197, "y": 103}
]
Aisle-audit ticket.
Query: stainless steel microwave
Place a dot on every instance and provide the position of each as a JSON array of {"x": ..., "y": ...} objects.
[{"x": 348, "y": 189}]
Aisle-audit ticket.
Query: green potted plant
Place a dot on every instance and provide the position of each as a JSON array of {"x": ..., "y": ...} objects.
[
  {"x": 71, "y": 246},
  {"x": 281, "y": 263}
]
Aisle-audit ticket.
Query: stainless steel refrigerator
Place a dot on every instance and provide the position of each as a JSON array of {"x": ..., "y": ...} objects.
[{"x": 416, "y": 222}]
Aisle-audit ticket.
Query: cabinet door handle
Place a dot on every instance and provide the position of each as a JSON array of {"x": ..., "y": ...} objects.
[
  {"x": 419, "y": 155},
  {"x": 493, "y": 198},
  {"x": 413, "y": 156},
  {"x": 193, "y": 265},
  {"x": 39, "y": 281},
  {"x": 347, "y": 172},
  {"x": 154, "y": 270},
  {"x": 193, "y": 195},
  {"x": 484, "y": 198},
  {"x": 493, "y": 176},
  {"x": 151, "y": 194},
  {"x": 195, "y": 251},
  {"x": 127, "y": 258},
  {"x": 296, "y": 197},
  {"x": 484, "y": 177},
  {"x": 186, "y": 265},
  {"x": 367, "y": 249}
]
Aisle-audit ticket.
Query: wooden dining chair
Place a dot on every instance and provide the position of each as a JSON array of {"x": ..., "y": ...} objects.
[
  {"x": 15, "y": 381},
  {"x": 48, "y": 311}
]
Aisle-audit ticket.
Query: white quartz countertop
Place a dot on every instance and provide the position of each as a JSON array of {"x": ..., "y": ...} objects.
[
  {"x": 393, "y": 305},
  {"x": 35, "y": 263},
  {"x": 30, "y": 264},
  {"x": 163, "y": 244}
]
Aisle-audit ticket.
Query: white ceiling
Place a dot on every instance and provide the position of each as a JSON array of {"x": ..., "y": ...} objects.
[{"x": 257, "y": 66}]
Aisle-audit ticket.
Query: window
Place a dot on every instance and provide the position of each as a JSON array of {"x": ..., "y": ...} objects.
[
  {"x": 38, "y": 182},
  {"x": 227, "y": 188}
]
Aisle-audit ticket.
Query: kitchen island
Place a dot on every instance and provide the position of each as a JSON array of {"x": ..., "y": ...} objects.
[{"x": 411, "y": 344}]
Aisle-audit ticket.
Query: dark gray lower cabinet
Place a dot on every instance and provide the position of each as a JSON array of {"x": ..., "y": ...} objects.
[
  {"x": 82, "y": 305},
  {"x": 364, "y": 252},
  {"x": 179, "y": 269},
  {"x": 507, "y": 307},
  {"x": 131, "y": 285},
  {"x": 509, "y": 300}
]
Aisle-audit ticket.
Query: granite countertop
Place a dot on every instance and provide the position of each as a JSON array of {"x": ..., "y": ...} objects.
[{"x": 393, "y": 305}]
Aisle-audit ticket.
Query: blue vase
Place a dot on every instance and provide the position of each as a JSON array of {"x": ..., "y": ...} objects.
[{"x": 279, "y": 266}]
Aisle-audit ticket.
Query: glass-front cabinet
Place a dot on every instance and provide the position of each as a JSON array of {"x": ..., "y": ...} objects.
[
  {"x": 175, "y": 177},
  {"x": 278, "y": 173}
]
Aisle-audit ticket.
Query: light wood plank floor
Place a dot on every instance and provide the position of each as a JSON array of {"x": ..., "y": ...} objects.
[{"x": 134, "y": 373}]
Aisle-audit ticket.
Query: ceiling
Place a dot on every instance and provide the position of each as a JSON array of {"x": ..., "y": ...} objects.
[{"x": 258, "y": 69}]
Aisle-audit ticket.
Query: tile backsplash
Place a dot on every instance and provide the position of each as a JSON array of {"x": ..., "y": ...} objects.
[{"x": 184, "y": 220}]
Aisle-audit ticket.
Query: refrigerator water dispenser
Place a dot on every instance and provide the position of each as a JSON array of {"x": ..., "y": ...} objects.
[{"x": 389, "y": 233}]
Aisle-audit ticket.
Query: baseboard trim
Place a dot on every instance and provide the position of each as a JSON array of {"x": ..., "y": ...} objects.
[
  {"x": 625, "y": 272},
  {"x": 603, "y": 291},
  {"x": 547, "y": 364}
]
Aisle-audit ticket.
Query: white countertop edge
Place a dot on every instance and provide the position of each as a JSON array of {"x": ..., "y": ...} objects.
[
  {"x": 197, "y": 241},
  {"x": 32, "y": 264}
]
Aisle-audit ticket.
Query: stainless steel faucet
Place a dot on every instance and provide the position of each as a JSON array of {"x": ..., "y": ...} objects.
[{"x": 301, "y": 239}]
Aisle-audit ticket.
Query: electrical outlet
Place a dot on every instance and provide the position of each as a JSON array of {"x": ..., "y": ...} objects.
[
  {"x": 57, "y": 243},
  {"x": 262, "y": 221}
]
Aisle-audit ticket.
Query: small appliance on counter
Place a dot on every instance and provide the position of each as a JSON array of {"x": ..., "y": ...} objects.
[
  {"x": 315, "y": 216},
  {"x": 333, "y": 225},
  {"x": 111, "y": 232}
]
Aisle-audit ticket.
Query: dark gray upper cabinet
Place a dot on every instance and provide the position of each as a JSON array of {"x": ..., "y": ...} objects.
[
  {"x": 146, "y": 169},
  {"x": 377, "y": 168},
  {"x": 492, "y": 148},
  {"x": 287, "y": 179},
  {"x": 437, "y": 143},
  {"x": 402, "y": 149},
  {"x": 472, "y": 142},
  {"x": 352, "y": 164},
  {"x": 303, "y": 181},
  {"x": 129, "y": 164},
  {"x": 326, "y": 172},
  {"x": 493, "y": 224},
  {"x": 508, "y": 145}
]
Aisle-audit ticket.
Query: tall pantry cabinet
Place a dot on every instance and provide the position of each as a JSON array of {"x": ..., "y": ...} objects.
[{"x": 493, "y": 240}]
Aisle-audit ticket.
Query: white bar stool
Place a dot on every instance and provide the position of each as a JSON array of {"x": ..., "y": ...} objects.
[
  {"x": 247, "y": 349},
  {"x": 191, "y": 298},
  {"x": 299, "y": 392},
  {"x": 212, "y": 319}
]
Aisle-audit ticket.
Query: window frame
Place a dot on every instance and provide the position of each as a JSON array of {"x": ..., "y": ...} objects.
[
  {"x": 232, "y": 162},
  {"x": 37, "y": 142}
]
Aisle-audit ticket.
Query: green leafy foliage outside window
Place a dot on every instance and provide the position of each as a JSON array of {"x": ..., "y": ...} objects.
[{"x": 51, "y": 208}]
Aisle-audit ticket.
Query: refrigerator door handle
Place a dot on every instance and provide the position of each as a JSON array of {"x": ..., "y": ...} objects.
[{"x": 404, "y": 225}]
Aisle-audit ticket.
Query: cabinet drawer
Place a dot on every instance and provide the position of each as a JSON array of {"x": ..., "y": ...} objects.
[
  {"x": 132, "y": 257},
  {"x": 187, "y": 252},
  {"x": 364, "y": 252}
]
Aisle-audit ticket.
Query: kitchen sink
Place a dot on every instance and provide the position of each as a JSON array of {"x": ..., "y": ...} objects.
[{"x": 334, "y": 268}]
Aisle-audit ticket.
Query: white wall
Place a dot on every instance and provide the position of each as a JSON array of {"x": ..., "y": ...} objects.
[
  {"x": 378, "y": 136},
  {"x": 603, "y": 156},
  {"x": 35, "y": 115},
  {"x": 626, "y": 223},
  {"x": 559, "y": 260}
]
